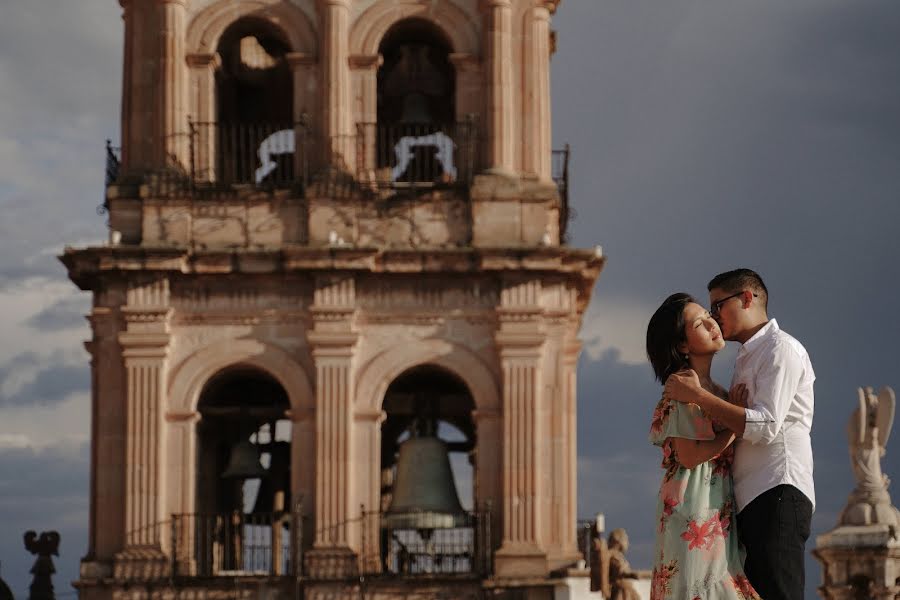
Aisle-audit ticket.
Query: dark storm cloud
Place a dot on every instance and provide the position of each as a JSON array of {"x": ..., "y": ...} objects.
[
  {"x": 710, "y": 135},
  {"x": 46, "y": 381},
  {"x": 43, "y": 490}
]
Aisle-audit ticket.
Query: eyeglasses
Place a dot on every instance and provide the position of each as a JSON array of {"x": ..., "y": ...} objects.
[{"x": 715, "y": 306}]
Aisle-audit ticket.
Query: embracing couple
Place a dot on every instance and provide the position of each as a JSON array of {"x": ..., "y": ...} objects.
[{"x": 738, "y": 463}]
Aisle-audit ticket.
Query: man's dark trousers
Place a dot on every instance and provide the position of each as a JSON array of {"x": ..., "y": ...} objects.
[{"x": 774, "y": 528}]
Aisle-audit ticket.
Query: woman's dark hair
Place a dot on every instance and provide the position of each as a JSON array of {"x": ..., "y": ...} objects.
[{"x": 665, "y": 333}]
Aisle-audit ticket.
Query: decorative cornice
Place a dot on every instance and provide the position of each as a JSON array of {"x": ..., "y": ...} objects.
[
  {"x": 376, "y": 416},
  {"x": 365, "y": 61},
  {"x": 87, "y": 265},
  {"x": 464, "y": 61},
  {"x": 182, "y": 416},
  {"x": 202, "y": 60},
  {"x": 296, "y": 59}
]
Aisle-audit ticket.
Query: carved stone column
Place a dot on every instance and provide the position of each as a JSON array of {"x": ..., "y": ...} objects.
[
  {"x": 469, "y": 85},
  {"x": 336, "y": 126},
  {"x": 172, "y": 145},
  {"x": 489, "y": 465},
  {"x": 366, "y": 471},
  {"x": 305, "y": 104},
  {"x": 144, "y": 344},
  {"x": 365, "y": 88},
  {"x": 520, "y": 342},
  {"x": 536, "y": 130},
  {"x": 203, "y": 110},
  {"x": 333, "y": 342},
  {"x": 499, "y": 82}
]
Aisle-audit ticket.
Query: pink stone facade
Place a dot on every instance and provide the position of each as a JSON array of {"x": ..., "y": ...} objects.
[{"x": 333, "y": 289}]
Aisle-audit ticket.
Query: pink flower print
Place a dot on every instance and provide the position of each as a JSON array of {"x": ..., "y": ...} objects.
[
  {"x": 669, "y": 505},
  {"x": 659, "y": 585},
  {"x": 660, "y": 414},
  {"x": 673, "y": 490},
  {"x": 742, "y": 587},
  {"x": 700, "y": 536}
]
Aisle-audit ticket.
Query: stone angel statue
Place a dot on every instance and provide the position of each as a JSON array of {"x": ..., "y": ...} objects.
[
  {"x": 611, "y": 574},
  {"x": 868, "y": 431}
]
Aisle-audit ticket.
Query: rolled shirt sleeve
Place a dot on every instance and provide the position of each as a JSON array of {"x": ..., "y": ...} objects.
[{"x": 776, "y": 384}]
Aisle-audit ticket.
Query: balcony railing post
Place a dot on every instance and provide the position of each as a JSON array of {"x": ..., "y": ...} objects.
[
  {"x": 192, "y": 157},
  {"x": 174, "y": 546}
]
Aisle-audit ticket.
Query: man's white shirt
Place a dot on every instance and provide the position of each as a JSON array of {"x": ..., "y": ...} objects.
[{"x": 776, "y": 447}]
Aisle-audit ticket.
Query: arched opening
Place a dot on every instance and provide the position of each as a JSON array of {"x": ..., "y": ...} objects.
[
  {"x": 415, "y": 139},
  {"x": 243, "y": 474},
  {"x": 428, "y": 493},
  {"x": 254, "y": 135}
]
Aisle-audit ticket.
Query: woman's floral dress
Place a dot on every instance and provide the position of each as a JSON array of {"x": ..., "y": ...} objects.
[{"x": 697, "y": 551}]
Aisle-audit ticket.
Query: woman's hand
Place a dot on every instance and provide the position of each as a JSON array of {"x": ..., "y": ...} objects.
[
  {"x": 683, "y": 386},
  {"x": 738, "y": 395}
]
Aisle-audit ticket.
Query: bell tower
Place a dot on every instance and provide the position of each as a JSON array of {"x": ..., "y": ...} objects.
[{"x": 334, "y": 330}]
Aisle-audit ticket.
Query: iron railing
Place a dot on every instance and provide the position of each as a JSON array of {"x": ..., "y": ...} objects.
[
  {"x": 235, "y": 544},
  {"x": 222, "y": 156},
  {"x": 273, "y": 155},
  {"x": 416, "y": 155},
  {"x": 427, "y": 552},
  {"x": 560, "y": 172}
]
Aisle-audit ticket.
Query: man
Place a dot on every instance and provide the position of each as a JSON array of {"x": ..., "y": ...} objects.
[{"x": 773, "y": 464}]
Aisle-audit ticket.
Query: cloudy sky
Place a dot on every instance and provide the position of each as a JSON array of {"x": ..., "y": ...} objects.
[{"x": 707, "y": 134}]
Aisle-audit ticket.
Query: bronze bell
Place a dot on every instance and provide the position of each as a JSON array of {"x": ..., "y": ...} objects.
[
  {"x": 274, "y": 494},
  {"x": 424, "y": 495},
  {"x": 244, "y": 462}
]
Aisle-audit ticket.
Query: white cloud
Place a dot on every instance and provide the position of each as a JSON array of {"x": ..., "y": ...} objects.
[
  {"x": 617, "y": 325},
  {"x": 14, "y": 440}
]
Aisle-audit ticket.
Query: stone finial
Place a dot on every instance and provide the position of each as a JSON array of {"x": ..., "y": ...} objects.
[
  {"x": 44, "y": 547},
  {"x": 868, "y": 431}
]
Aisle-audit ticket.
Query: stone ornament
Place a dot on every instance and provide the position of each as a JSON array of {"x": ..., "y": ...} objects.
[
  {"x": 868, "y": 431},
  {"x": 611, "y": 572}
]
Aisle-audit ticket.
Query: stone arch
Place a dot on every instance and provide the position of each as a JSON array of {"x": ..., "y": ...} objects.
[
  {"x": 376, "y": 375},
  {"x": 207, "y": 26},
  {"x": 371, "y": 26},
  {"x": 193, "y": 373}
]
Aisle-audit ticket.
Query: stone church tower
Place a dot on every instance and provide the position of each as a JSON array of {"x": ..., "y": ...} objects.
[{"x": 335, "y": 326}]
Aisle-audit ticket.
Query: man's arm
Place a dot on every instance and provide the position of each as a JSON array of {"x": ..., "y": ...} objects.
[
  {"x": 776, "y": 385},
  {"x": 694, "y": 452},
  {"x": 684, "y": 386}
]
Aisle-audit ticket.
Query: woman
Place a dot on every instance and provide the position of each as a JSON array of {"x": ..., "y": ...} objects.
[{"x": 697, "y": 552}]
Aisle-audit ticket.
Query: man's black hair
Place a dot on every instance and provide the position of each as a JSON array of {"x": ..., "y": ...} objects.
[{"x": 738, "y": 280}]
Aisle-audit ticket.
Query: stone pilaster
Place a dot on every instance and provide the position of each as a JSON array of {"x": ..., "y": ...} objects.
[
  {"x": 202, "y": 68},
  {"x": 172, "y": 145},
  {"x": 144, "y": 343},
  {"x": 499, "y": 86},
  {"x": 469, "y": 85},
  {"x": 365, "y": 85},
  {"x": 336, "y": 111},
  {"x": 536, "y": 130},
  {"x": 333, "y": 342},
  {"x": 520, "y": 343},
  {"x": 107, "y": 445}
]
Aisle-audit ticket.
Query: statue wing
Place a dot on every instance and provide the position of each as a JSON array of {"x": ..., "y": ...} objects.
[
  {"x": 31, "y": 541},
  {"x": 856, "y": 427},
  {"x": 884, "y": 415}
]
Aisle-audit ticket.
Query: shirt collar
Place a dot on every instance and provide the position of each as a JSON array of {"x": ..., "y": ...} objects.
[{"x": 768, "y": 329}]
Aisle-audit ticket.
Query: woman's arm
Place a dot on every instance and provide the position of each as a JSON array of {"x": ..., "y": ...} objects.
[
  {"x": 691, "y": 453},
  {"x": 684, "y": 386}
]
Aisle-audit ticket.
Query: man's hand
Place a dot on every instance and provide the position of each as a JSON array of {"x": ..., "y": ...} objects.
[
  {"x": 738, "y": 395},
  {"x": 683, "y": 386}
]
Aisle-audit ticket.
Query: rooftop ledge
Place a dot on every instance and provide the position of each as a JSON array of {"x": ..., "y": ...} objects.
[{"x": 85, "y": 265}]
